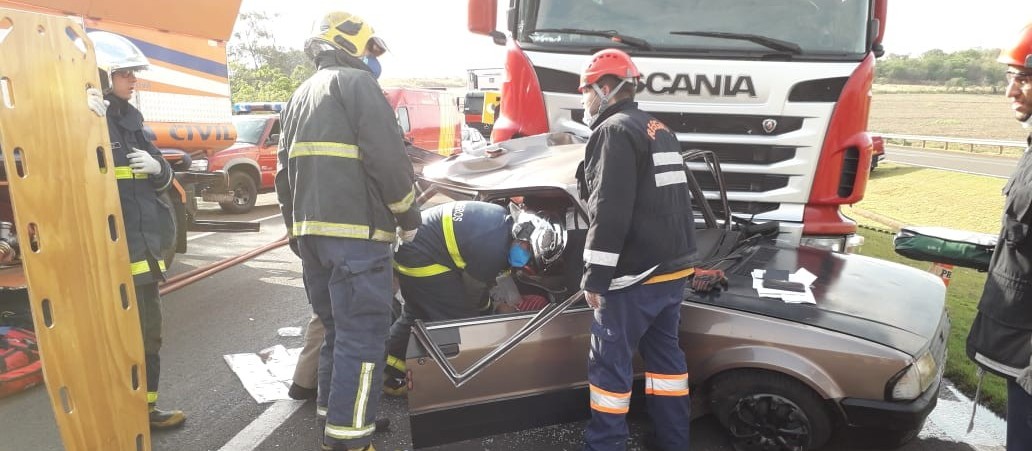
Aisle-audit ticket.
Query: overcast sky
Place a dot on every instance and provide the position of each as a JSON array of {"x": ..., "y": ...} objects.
[{"x": 428, "y": 38}]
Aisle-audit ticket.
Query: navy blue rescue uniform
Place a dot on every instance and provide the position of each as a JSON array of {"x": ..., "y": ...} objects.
[
  {"x": 638, "y": 253},
  {"x": 149, "y": 225},
  {"x": 444, "y": 273}
]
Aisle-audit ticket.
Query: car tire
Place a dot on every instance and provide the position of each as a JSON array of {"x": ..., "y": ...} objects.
[
  {"x": 245, "y": 193},
  {"x": 766, "y": 410}
]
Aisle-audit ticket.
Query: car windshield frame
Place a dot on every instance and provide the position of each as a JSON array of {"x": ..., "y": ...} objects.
[
  {"x": 249, "y": 129},
  {"x": 837, "y": 30}
]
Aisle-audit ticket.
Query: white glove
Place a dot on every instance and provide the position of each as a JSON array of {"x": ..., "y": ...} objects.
[
  {"x": 408, "y": 235},
  {"x": 95, "y": 101},
  {"x": 143, "y": 162}
]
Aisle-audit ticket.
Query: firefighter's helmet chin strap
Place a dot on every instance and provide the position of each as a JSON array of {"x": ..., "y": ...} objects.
[{"x": 603, "y": 98}]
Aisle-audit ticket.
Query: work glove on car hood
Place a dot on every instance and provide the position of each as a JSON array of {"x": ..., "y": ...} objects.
[{"x": 706, "y": 280}]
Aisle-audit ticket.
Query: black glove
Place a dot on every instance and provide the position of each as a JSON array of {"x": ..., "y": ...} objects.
[
  {"x": 706, "y": 280},
  {"x": 293, "y": 247}
]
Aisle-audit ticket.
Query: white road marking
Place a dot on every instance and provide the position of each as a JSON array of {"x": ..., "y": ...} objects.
[
  {"x": 261, "y": 428},
  {"x": 949, "y": 169}
]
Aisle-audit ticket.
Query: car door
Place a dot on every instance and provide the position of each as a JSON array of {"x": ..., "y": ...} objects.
[
  {"x": 541, "y": 380},
  {"x": 267, "y": 154}
]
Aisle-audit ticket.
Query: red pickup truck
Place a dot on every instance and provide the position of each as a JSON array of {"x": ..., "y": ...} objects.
[
  {"x": 429, "y": 120},
  {"x": 250, "y": 163}
]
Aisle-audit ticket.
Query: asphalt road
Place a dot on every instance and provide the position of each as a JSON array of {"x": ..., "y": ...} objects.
[
  {"x": 240, "y": 310},
  {"x": 981, "y": 164}
]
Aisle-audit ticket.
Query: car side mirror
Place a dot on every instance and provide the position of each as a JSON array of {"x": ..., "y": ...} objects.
[{"x": 273, "y": 140}]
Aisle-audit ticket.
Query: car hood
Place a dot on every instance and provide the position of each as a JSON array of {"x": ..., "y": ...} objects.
[
  {"x": 877, "y": 300},
  {"x": 548, "y": 160}
]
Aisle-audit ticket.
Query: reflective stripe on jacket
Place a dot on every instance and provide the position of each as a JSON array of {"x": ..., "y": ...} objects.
[
  {"x": 149, "y": 222},
  {"x": 633, "y": 180},
  {"x": 343, "y": 171},
  {"x": 467, "y": 236}
]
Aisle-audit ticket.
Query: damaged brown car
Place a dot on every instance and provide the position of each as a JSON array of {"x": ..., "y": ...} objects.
[{"x": 867, "y": 357}]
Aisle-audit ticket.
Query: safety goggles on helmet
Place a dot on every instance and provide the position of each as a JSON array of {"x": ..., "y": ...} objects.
[
  {"x": 1021, "y": 78},
  {"x": 547, "y": 238},
  {"x": 343, "y": 31}
]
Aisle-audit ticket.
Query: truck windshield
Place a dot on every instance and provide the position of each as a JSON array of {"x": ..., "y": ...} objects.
[
  {"x": 833, "y": 29},
  {"x": 249, "y": 129}
]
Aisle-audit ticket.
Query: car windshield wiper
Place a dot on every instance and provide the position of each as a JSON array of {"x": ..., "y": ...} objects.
[
  {"x": 771, "y": 43},
  {"x": 616, "y": 36}
]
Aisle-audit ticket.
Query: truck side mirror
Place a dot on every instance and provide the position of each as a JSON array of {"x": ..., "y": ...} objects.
[{"x": 273, "y": 140}]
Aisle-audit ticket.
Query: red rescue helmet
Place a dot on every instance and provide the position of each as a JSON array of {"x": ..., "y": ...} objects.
[
  {"x": 608, "y": 62},
  {"x": 1020, "y": 54}
]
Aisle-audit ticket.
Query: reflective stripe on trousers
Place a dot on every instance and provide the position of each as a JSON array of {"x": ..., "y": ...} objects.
[
  {"x": 348, "y": 282},
  {"x": 646, "y": 315}
]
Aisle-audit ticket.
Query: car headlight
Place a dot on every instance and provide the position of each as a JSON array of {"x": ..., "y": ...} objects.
[
  {"x": 915, "y": 379},
  {"x": 199, "y": 165}
]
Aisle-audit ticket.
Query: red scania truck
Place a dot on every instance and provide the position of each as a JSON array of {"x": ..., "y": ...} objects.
[{"x": 779, "y": 90}]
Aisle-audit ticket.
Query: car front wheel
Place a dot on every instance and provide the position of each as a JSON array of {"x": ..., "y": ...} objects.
[
  {"x": 245, "y": 193},
  {"x": 768, "y": 411}
]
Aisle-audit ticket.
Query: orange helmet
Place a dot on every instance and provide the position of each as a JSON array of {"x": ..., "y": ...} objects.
[
  {"x": 608, "y": 62},
  {"x": 1021, "y": 53}
]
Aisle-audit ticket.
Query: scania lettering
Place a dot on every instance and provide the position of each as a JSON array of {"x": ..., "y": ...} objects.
[
  {"x": 779, "y": 90},
  {"x": 716, "y": 85}
]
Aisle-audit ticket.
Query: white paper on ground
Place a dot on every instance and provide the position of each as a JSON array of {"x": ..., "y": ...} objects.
[{"x": 265, "y": 375}]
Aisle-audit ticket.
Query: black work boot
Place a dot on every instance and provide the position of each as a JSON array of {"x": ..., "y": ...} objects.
[
  {"x": 165, "y": 419},
  {"x": 301, "y": 393}
]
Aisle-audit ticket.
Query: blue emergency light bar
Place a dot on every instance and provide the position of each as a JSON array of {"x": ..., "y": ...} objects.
[{"x": 257, "y": 107}]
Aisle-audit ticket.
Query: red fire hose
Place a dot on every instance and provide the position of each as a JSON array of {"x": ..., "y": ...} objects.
[{"x": 189, "y": 277}]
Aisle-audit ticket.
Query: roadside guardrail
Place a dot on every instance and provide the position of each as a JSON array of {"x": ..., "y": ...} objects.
[{"x": 970, "y": 142}]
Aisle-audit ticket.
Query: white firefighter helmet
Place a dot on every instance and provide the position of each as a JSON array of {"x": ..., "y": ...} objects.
[
  {"x": 116, "y": 53},
  {"x": 547, "y": 238}
]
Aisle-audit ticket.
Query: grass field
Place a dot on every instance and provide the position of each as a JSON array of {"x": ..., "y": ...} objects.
[
  {"x": 954, "y": 115},
  {"x": 918, "y": 196}
]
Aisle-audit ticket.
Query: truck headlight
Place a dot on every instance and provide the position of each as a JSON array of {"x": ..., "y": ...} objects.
[
  {"x": 847, "y": 244},
  {"x": 199, "y": 165},
  {"x": 915, "y": 379}
]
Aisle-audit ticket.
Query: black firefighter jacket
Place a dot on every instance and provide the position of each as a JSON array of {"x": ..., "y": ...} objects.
[
  {"x": 1001, "y": 334},
  {"x": 343, "y": 171},
  {"x": 149, "y": 224},
  {"x": 633, "y": 180}
]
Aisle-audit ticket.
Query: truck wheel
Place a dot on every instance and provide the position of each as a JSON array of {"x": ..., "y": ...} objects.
[
  {"x": 764, "y": 410},
  {"x": 245, "y": 193}
]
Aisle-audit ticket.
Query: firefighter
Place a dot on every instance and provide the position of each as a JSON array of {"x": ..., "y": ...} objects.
[
  {"x": 638, "y": 255},
  {"x": 306, "y": 378},
  {"x": 448, "y": 270},
  {"x": 1000, "y": 340},
  {"x": 344, "y": 185},
  {"x": 143, "y": 175}
]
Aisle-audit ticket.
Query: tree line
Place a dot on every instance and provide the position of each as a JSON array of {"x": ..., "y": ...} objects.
[
  {"x": 260, "y": 70},
  {"x": 965, "y": 68}
]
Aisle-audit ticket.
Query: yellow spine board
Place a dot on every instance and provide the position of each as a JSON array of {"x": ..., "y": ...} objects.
[{"x": 67, "y": 209}]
